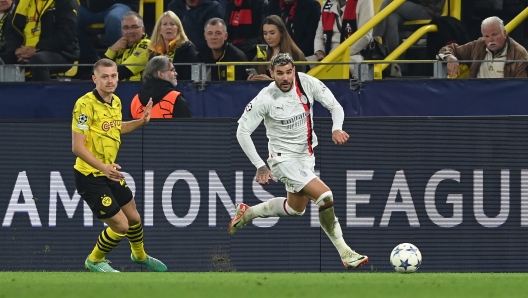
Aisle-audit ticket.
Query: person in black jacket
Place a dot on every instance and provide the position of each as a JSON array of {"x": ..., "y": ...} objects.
[
  {"x": 219, "y": 50},
  {"x": 193, "y": 15},
  {"x": 108, "y": 12},
  {"x": 169, "y": 39},
  {"x": 159, "y": 80},
  {"x": 243, "y": 19},
  {"x": 42, "y": 35},
  {"x": 301, "y": 18},
  {"x": 6, "y": 8}
]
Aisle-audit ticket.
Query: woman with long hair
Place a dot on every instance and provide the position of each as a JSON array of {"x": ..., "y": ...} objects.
[
  {"x": 274, "y": 33},
  {"x": 169, "y": 39}
]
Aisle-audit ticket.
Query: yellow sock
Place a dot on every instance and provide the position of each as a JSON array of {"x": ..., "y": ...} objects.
[
  {"x": 135, "y": 237},
  {"x": 108, "y": 240}
]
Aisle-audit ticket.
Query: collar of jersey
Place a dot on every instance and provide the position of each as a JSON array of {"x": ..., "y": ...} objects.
[{"x": 100, "y": 98}]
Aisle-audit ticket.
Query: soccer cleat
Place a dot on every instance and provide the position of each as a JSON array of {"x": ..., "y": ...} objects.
[
  {"x": 103, "y": 266},
  {"x": 354, "y": 260},
  {"x": 237, "y": 222},
  {"x": 153, "y": 263}
]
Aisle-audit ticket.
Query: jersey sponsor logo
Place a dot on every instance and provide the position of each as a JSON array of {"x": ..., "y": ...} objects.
[
  {"x": 296, "y": 121},
  {"x": 107, "y": 125},
  {"x": 106, "y": 200}
]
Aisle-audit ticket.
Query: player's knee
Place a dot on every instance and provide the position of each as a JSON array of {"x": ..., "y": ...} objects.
[
  {"x": 120, "y": 228},
  {"x": 293, "y": 212},
  {"x": 325, "y": 201}
]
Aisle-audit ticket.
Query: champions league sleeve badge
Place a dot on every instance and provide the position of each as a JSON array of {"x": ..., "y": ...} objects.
[{"x": 81, "y": 122}]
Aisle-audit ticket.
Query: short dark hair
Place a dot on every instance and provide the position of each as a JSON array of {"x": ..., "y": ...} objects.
[
  {"x": 105, "y": 62},
  {"x": 281, "y": 59},
  {"x": 215, "y": 21}
]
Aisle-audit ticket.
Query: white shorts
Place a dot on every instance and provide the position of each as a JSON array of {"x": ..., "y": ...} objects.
[{"x": 294, "y": 173}]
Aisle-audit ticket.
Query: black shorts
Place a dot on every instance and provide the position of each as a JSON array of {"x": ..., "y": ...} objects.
[{"x": 104, "y": 196}]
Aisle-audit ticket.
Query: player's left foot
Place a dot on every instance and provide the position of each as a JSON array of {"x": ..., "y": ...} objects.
[
  {"x": 352, "y": 259},
  {"x": 238, "y": 221},
  {"x": 153, "y": 263}
]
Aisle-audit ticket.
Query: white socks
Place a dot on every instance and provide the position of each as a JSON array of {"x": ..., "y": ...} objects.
[{"x": 271, "y": 208}]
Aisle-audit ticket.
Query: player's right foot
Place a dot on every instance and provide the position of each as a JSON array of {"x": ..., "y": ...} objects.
[
  {"x": 352, "y": 259},
  {"x": 103, "y": 266},
  {"x": 238, "y": 221}
]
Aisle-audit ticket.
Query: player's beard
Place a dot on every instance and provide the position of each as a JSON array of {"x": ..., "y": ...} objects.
[{"x": 281, "y": 86}]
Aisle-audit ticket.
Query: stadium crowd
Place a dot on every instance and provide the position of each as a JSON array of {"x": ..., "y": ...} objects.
[{"x": 60, "y": 33}]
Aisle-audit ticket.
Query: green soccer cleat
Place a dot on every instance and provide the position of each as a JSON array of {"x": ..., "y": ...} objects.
[
  {"x": 102, "y": 266},
  {"x": 153, "y": 263}
]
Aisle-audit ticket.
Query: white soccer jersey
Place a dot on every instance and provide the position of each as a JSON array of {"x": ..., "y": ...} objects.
[{"x": 288, "y": 118}]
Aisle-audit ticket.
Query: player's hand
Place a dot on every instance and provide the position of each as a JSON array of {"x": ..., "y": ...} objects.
[
  {"x": 112, "y": 172},
  {"x": 264, "y": 175},
  {"x": 452, "y": 66},
  {"x": 146, "y": 112},
  {"x": 119, "y": 45},
  {"x": 339, "y": 137}
]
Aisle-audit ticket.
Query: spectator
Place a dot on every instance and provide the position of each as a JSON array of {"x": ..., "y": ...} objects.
[
  {"x": 159, "y": 80},
  {"x": 6, "y": 9},
  {"x": 169, "y": 39},
  {"x": 221, "y": 51},
  {"x": 496, "y": 45},
  {"x": 278, "y": 40},
  {"x": 47, "y": 38},
  {"x": 387, "y": 29},
  {"x": 243, "y": 19},
  {"x": 301, "y": 18},
  {"x": 339, "y": 20},
  {"x": 131, "y": 49},
  {"x": 194, "y": 14},
  {"x": 110, "y": 13}
]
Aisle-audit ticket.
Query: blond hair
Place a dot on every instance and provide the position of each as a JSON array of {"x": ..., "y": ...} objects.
[{"x": 157, "y": 44}]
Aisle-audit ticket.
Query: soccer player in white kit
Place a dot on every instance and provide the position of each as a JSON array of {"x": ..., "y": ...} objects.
[{"x": 286, "y": 108}]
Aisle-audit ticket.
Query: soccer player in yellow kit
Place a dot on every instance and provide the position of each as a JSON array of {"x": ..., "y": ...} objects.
[{"x": 96, "y": 136}]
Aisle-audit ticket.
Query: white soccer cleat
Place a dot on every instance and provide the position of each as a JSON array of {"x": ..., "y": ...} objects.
[
  {"x": 237, "y": 222},
  {"x": 354, "y": 260}
]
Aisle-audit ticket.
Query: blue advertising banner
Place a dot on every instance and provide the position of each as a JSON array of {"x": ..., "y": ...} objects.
[
  {"x": 227, "y": 100},
  {"x": 457, "y": 188}
]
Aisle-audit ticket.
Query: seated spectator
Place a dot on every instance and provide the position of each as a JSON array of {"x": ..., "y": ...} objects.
[
  {"x": 301, "y": 18},
  {"x": 169, "y": 39},
  {"x": 6, "y": 9},
  {"x": 110, "y": 13},
  {"x": 194, "y": 14},
  {"x": 159, "y": 80},
  {"x": 278, "y": 40},
  {"x": 221, "y": 51},
  {"x": 46, "y": 39},
  {"x": 131, "y": 49},
  {"x": 339, "y": 20},
  {"x": 243, "y": 19},
  {"x": 387, "y": 29},
  {"x": 496, "y": 45}
]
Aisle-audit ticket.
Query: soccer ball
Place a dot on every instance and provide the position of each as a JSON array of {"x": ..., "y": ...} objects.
[{"x": 406, "y": 258}]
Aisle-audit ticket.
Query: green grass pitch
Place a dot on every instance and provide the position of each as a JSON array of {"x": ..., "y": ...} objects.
[{"x": 252, "y": 285}]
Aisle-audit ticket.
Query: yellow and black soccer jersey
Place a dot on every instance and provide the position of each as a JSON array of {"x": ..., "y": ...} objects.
[
  {"x": 101, "y": 123},
  {"x": 137, "y": 54}
]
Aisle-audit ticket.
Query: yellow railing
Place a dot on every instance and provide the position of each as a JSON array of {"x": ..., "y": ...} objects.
[
  {"x": 378, "y": 68},
  {"x": 517, "y": 20},
  {"x": 337, "y": 55}
]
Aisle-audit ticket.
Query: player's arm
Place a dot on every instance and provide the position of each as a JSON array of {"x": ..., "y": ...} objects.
[
  {"x": 249, "y": 121},
  {"x": 135, "y": 124},
  {"x": 323, "y": 95},
  {"x": 80, "y": 150}
]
